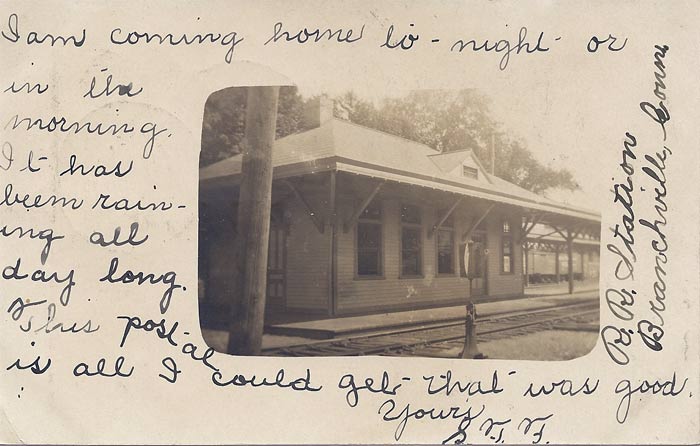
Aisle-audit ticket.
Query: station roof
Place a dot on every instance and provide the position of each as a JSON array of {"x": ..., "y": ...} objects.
[{"x": 343, "y": 146}]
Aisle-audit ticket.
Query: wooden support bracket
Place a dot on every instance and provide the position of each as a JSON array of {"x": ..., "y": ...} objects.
[
  {"x": 318, "y": 222},
  {"x": 444, "y": 218},
  {"x": 527, "y": 229},
  {"x": 473, "y": 226},
  {"x": 543, "y": 236},
  {"x": 361, "y": 208},
  {"x": 560, "y": 232}
]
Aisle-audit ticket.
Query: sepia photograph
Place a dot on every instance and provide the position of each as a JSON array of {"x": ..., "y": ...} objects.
[
  {"x": 415, "y": 222},
  {"x": 410, "y": 225}
]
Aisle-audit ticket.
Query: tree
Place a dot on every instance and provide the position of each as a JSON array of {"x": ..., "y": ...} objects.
[
  {"x": 224, "y": 121},
  {"x": 455, "y": 120}
]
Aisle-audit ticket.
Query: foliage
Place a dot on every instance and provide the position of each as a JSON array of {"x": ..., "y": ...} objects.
[
  {"x": 443, "y": 120},
  {"x": 224, "y": 121},
  {"x": 456, "y": 120}
]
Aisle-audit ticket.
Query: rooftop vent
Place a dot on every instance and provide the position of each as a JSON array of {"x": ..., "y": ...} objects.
[{"x": 470, "y": 172}]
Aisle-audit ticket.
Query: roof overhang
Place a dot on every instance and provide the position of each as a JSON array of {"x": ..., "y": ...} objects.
[{"x": 554, "y": 210}]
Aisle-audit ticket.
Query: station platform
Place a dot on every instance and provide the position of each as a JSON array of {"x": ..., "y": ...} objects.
[
  {"x": 547, "y": 289},
  {"x": 353, "y": 325}
]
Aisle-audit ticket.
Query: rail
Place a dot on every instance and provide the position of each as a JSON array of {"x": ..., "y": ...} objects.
[{"x": 396, "y": 341}]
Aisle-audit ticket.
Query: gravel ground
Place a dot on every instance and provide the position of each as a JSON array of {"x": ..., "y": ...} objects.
[
  {"x": 551, "y": 345},
  {"x": 547, "y": 345}
]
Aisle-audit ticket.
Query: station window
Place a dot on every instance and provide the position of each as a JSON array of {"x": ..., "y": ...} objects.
[
  {"x": 369, "y": 241},
  {"x": 506, "y": 227},
  {"x": 507, "y": 255},
  {"x": 445, "y": 251},
  {"x": 445, "y": 245},
  {"x": 411, "y": 241}
]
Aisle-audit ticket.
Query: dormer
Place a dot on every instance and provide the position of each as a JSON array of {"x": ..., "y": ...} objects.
[{"x": 462, "y": 163}]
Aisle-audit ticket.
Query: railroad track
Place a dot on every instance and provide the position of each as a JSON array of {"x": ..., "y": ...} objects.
[{"x": 429, "y": 339}]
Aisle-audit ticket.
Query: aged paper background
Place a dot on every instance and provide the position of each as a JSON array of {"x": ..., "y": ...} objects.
[{"x": 568, "y": 96}]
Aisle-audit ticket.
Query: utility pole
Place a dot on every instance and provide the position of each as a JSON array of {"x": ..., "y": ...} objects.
[{"x": 248, "y": 310}]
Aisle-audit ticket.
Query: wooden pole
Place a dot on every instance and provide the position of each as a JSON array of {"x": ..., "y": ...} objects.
[
  {"x": 248, "y": 316},
  {"x": 557, "y": 276}
]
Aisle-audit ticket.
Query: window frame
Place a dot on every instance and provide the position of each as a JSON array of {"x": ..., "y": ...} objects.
[
  {"x": 511, "y": 255},
  {"x": 414, "y": 226},
  {"x": 380, "y": 250},
  {"x": 454, "y": 271}
]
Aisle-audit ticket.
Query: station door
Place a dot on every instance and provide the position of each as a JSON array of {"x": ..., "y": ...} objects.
[{"x": 276, "y": 270}]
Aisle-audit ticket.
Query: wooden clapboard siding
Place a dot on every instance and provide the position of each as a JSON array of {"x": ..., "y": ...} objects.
[
  {"x": 218, "y": 247},
  {"x": 391, "y": 292},
  {"x": 219, "y": 289},
  {"x": 502, "y": 284},
  {"x": 308, "y": 254}
]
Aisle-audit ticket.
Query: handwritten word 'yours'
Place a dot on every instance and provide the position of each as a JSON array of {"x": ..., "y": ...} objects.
[{"x": 389, "y": 412}]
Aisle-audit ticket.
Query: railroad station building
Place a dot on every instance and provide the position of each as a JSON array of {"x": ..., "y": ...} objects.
[{"x": 366, "y": 222}]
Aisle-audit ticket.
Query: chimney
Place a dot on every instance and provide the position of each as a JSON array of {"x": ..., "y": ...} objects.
[{"x": 317, "y": 111}]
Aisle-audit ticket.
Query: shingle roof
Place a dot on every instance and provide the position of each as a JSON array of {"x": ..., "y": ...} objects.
[{"x": 344, "y": 146}]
